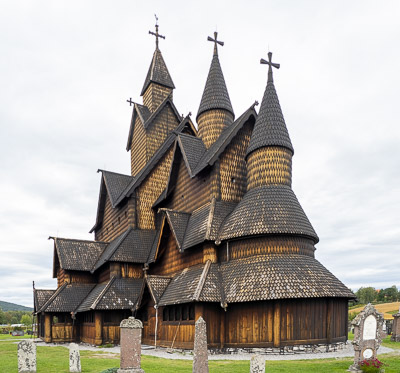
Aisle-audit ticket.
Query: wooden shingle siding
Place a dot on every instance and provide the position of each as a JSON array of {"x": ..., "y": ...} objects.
[
  {"x": 267, "y": 245},
  {"x": 269, "y": 165},
  {"x": 138, "y": 148},
  {"x": 154, "y": 95},
  {"x": 115, "y": 220},
  {"x": 211, "y": 123},
  {"x": 150, "y": 190},
  {"x": 233, "y": 178}
]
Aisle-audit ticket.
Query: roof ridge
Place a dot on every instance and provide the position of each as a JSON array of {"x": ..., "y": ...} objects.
[
  {"x": 210, "y": 218},
  {"x": 75, "y": 239},
  {"x": 50, "y": 300},
  {"x": 202, "y": 280},
  {"x": 100, "y": 296},
  {"x": 113, "y": 172}
]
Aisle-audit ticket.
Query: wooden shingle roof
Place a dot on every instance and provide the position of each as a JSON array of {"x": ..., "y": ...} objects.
[
  {"x": 158, "y": 72},
  {"x": 40, "y": 297},
  {"x": 270, "y": 209}
]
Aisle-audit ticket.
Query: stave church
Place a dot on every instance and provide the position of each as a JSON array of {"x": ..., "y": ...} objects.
[{"x": 206, "y": 224}]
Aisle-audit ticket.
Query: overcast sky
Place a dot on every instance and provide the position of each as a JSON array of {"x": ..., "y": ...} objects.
[{"x": 67, "y": 68}]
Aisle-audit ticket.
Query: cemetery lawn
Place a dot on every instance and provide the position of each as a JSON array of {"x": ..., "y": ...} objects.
[{"x": 55, "y": 360}]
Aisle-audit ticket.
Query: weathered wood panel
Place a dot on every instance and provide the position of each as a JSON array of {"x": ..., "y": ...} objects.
[{"x": 62, "y": 333}]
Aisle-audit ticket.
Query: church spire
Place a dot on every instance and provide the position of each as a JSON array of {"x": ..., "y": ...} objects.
[
  {"x": 215, "y": 101},
  {"x": 157, "y": 76},
  {"x": 270, "y": 127}
]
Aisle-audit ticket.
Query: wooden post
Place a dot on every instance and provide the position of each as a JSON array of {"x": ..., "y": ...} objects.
[
  {"x": 222, "y": 330},
  {"x": 277, "y": 324},
  {"x": 47, "y": 327},
  {"x": 329, "y": 320},
  {"x": 98, "y": 322}
]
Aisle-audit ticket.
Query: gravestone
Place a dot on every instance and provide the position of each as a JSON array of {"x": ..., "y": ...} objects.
[
  {"x": 367, "y": 335},
  {"x": 200, "y": 355},
  {"x": 26, "y": 357},
  {"x": 396, "y": 327},
  {"x": 257, "y": 364},
  {"x": 74, "y": 358},
  {"x": 131, "y": 345}
]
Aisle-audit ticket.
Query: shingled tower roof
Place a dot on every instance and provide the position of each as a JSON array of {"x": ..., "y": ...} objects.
[
  {"x": 215, "y": 95},
  {"x": 270, "y": 127},
  {"x": 158, "y": 72}
]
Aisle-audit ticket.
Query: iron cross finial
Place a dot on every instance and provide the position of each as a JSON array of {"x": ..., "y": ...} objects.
[
  {"x": 215, "y": 42},
  {"x": 130, "y": 101},
  {"x": 156, "y": 34},
  {"x": 270, "y": 63}
]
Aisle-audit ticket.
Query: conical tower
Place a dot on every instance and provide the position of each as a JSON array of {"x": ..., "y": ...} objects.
[
  {"x": 158, "y": 84},
  {"x": 215, "y": 111},
  {"x": 269, "y": 155}
]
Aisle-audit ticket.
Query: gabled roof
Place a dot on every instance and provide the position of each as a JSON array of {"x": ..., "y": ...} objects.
[
  {"x": 271, "y": 209},
  {"x": 40, "y": 297},
  {"x": 118, "y": 293},
  {"x": 275, "y": 276},
  {"x": 217, "y": 148},
  {"x": 158, "y": 72},
  {"x": 270, "y": 127},
  {"x": 147, "y": 118},
  {"x": 131, "y": 246},
  {"x": 77, "y": 255},
  {"x": 112, "y": 184},
  {"x": 192, "y": 149},
  {"x": 215, "y": 95},
  {"x": 157, "y": 286},
  {"x": 196, "y": 283},
  {"x": 205, "y": 222},
  {"x": 178, "y": 222},
  {"x": 144, "y": 172},
  {"x": 67, "y": 297}
]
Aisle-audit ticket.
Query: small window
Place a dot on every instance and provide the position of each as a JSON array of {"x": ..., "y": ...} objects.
[
  {"x": 126, "y": 214},
  {"x": 185, "y": 312},
  {"x": 191, "y": 312},
  {"x": 171, "y": 314},
  {"x": 165, "y": 314},
  {"x": 178, "y": 313},
  {"x": 55, "y": 320}
]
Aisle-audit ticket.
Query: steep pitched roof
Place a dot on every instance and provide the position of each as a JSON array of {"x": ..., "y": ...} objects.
[
  {"x": 205, "y": 222},
  {"x": 118, "y": 293},
  {"x": 217, "y": 148},
  {"x": 144, "y": 172},
  {"x": 67, "y": 297},
  {"x": 270, "y": 127},
  {"x": 40, "y": 297},
  {"x": 178, "y": 222},
  {"x": 158, "y": 72},
  {"x": 115, "y": 184},
  {"x": 197, "y": 283},
  {"x": 78, "y": 255},
  {"x": 131, "y": 246},
  {"x": 147, "y": 118},
  {"x": 192, "y": 149},
  {"x": 157, "y": 286},
  {"x": 267, "y": 277},
  {"x": 215, "y": 95},
  {"x": 271, "y": 209}
]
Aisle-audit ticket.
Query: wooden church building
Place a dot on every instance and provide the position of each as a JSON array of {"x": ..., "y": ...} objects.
[{"x": 206, "y": 224}]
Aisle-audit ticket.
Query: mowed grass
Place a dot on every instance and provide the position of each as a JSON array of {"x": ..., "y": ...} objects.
[{"x": 55, "y": 360}]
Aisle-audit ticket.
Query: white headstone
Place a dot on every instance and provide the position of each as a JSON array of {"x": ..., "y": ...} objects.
[
  {"x": 74, "y": 358},
  {"x": 257, "y": 364},
  {"x": 369, "y": 328},
  {"x": 26, "y": 357}
]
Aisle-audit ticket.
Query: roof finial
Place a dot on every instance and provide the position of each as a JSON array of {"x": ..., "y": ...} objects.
[
  {"x": 270, "y": 63},
  {"x": 156, "y": 34},
  {"x": 215, "y": 42}
]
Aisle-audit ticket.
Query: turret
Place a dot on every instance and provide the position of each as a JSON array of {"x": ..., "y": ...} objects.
[
  {"x": 269, "y": 155},
  {"x": 215, "y": 111}
]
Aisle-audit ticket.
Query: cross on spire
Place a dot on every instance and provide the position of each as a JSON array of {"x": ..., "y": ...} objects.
[
  {"x": 215, "y": 42},
  {"x": 130, "y": 101},
  {"x": 156, "y": 34},
  {"x": 270, "y": 63}
]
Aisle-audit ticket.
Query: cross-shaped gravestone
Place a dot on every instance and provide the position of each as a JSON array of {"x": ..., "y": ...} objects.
[
  {"x": 156, "y": 34},
  {"x": 271, "y": 64},
  {"x": 216, "y": 41}
]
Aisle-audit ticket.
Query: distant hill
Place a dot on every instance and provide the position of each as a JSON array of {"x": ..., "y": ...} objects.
[{"x": 6, "y": 306}]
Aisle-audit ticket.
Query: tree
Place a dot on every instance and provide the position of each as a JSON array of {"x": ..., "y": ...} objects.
[
  {"x": 26, "y": 320},
  {"x": 366, "y": 295}
]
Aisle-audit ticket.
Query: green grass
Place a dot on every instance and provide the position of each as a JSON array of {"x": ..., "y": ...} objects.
[
  {"x": 8, "y": 336},
  {"x": 55, "y": 360}
]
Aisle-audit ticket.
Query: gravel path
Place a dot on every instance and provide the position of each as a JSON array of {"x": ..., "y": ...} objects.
[{"x": 187, "y": 355}]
